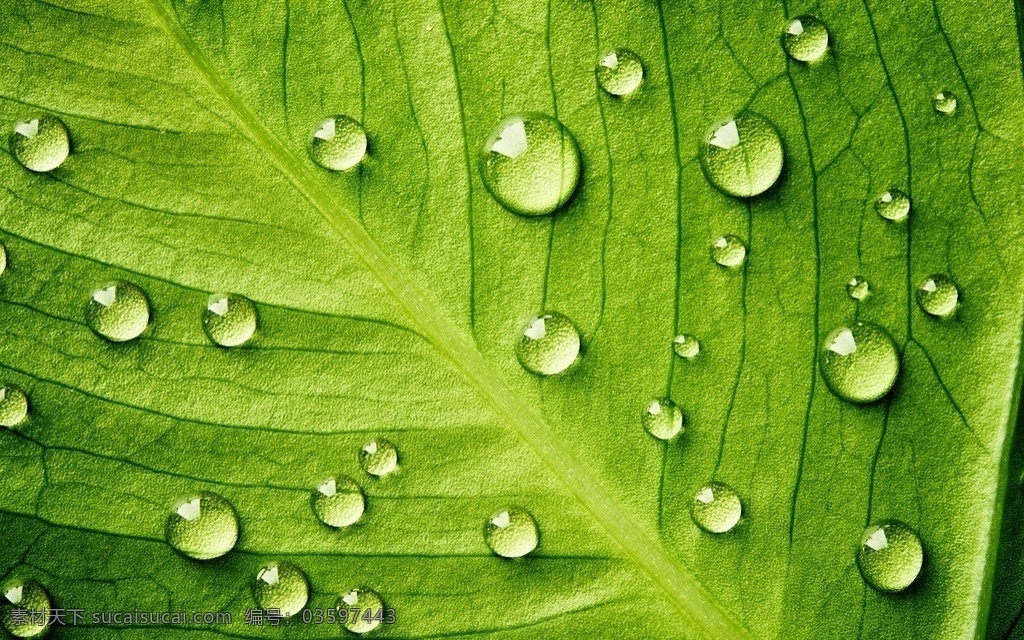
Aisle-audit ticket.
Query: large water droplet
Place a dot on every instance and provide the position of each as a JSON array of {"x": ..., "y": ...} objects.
[
  {"x": 938, "y": 296},
  {"x": 229, "y": 320},
  {"x": 118, "y": 311},
  {"x": 338, "y": 144},
  {"x": 338, "y": 501},
  {"x": 716, "y": 508},
  {"x": 202, "y": 526},
  {"x": 858, "y": 288},
  {"x": 378, "y": 457},
  {"x": 890, "y": 556},
  {"x": 728, "y": 251},
  {"x": 620, "y": 72},
  {"x": 743, "y": 157},
  {"x": 13, "y": 406},
  {"x": 511, "y": 533},
  {"x": 362, "y": 609},
  {"x": 859, "y": 362},
  {"x": 686, "y": 346},
  {"x": 893, "y": 205},
  {"x": 281, "y": 586},
  {"x": 40, "y": 143},
  {"x": 33, "y": 603},
  {"x": 662, "y": 418},
  {"x": 3, "y": 259},
  {"x": 805, "y": 39},
  {"x": 531, "y": 164},
  {"x": 549, "y": 345},
  {"x": 945, "y": 103}
]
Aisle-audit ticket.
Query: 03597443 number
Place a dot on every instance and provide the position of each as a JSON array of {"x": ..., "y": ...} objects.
[{"x": 383, "y": 615}]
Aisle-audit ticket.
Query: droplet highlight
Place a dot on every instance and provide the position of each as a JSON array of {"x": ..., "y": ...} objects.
[
  {"x": 229, "y": 320},
  {"x": 118, "y": 311},
  {"x": 890, "y": 556},
  {"x": 686, "y": 346},
  {"x": 338, "y": 143},
  {"x": 549, "y": 344},
  {"x": 511, "y": 533},
  {"x": 805, "y": 39},
  {"x": 743, "y": 157},
  {"x": 40, "y": 143},
  {"x": 281, "y": 586},
  {"x": 938, "y": 296},
  {"x": 203, "y": 526},
  {"x": 859, "y": 362},
  {"x": 34, "y": 608},
  {"x": 662, "y": 418},
  {"x": 716, "y": 508},
  {"x": 362, "y": 609},
  {"x": 13, "y": 406},
  {"x": 338, "y": 501},
  {"x": 893, "y": 205},
  {"x": 620, "y": 72},
  {"x": 858, "y": 288},
  {"x": 945, "y": 103},
  {"x": 728, "y": 251},
  {"x": 378, "y": 457}
]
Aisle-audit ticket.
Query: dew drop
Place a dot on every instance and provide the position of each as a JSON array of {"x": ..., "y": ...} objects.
[
  {"x": 716, "y": 508},
  {"x": 728, "y": 251},
  {"x": 202, "y": 526},
  {"x": 378, "y": 457},
  {"x": 13, "y": 406},
  {"x": 686, "y": 346},
  {"x": 363, "y": 609},
  {"x": 945, "y": 103},
  {"x": 620, "y": 72},
  {"x": 549, "y": 345},
  {"x": 338, "y": 501},
  {"x": 3, "y": 259},
  {"x": 743, "y": 157},
  {"x": 281, "y": 586},
  {"x": 893, "y": 205},
  {"x": 805, "y": 39},
  {"x": 40, "y": 143},
  {"x": 531, "y": 164},
  {"x": 118, "y": 311},
  {"x": 859, "y": 362},
  {"x": 229, "y": 319},
  {"x": 890, "y": 556},
  {"x": 35, "y": 610},
  {"x": 511, "y": 533},
  {"x": 858, "y": 288},
  {"x": 662, "y": 418},
  {"x": 338, "y": 144},
  {"x": 938, "y": 296}
]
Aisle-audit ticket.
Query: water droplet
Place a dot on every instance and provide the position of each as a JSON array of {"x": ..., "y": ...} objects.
[
  {"x": 531, "y": 164},
  {"x": 938, "y": 296},
  {"x": 893, "y": 205},
  {"x": 945, "y": 103},
  {"x": 118, "y": 311},
  {"x": 40, "y": 143},
  {"x": 378, "y": 457},
  {"x": 728, "y": 251},
  {"x": 890, "y": 556},
  {"x": 229, "y": 320},
  {"x": 859, "y": 363},
  {"x": 338, "y": 144},
  {"x": 13, "y": 406},
  {"x": 686, "y": 346},
  {"x": 662, "y": 418},
  {"x": 3, "y": 259},
  {"x": 511, "y": 533},
  {"x": 716, "y": 508},
  {"x": 362, "y": 608},
  {"x": 33, "y": 602},
  {"x": 805, "y": 39},
  {"x": 202, "y": 526},
  {"x": 620, "y": 72},
  {"x": 281, "y": 586},
  {"x": 338, "y": 501},
  {"x": 858, "y": 288},
  {"x": 549, "y": 345},
  {"x": 743, "y": 157}
]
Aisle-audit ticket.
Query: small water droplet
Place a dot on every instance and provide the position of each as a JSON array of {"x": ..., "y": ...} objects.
[
  {"x": 338, "y": 501},
  {"x": 744, "y": 156},
  {"x": 118, "y": 311},
  {"x": 202, "y": 526},
  {"x": 890, "y": 556},
  {"x": 938, "y": 296},
  {"x": 858, "y": 288},
  {"x": 893, "y": 205},
  {"x": 40, "y": 143},
  {"x": 511, "y": 533},
  {"x": 716, "y": 508},
  {"x": 728, "y": 251},
  {"x": 362, "y": 608},
  {"x": 338, "y": 144},
  {"x": 620, "y": 72},
  {"x": 378, "y": 457},
  {"x": 281, "y": 586},
  {"x": 805, "y": 39},
  {"x": 945, "y": 103},
  {"x": 686, "y": 346},
  {"x": 229, "y": 319},
  {"x": 859, "y": 362},
  {"x": 662, "y": 418},
  {"x": 13, "y": 406},
  {"x": 549, "y": 345},
  {"x": 531, "y": 164},
  {"x": 33, "y": 603},
  {"x": 3, "y": 259}
]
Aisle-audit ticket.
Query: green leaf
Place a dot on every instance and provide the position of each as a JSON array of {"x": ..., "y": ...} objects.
[{"x": 391, "y": 298}]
